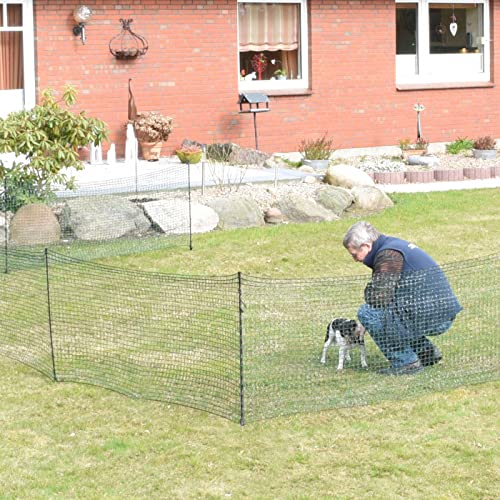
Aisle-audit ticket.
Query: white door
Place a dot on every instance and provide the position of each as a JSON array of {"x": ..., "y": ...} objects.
[{"x": 17, "y": 65}]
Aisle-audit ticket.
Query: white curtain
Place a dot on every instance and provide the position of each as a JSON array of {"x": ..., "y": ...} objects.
[{"x": 268, "y": 26}]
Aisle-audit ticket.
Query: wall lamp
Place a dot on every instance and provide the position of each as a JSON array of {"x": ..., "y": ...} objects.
[{"x": 81, "y": 14}]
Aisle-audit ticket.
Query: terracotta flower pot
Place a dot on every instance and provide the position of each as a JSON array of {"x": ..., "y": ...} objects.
[
  {"x": 419, "y": 176},
  {"x": 477, "y": 173},
  {"x": 449, "y": 175},
  {"x": 151, "y": 151},
  {"x": 389, "y": 177}
]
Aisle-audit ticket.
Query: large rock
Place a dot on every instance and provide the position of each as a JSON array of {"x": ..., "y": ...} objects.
[
  {"x": 172, "y": 216},
  {"x": 347, "y": 176},
  {"x": 34, "y": 224},
  {"x": 94, "y": 218},
  {"x": 370, "y": 199},
  {"x": 237, "y": 211},
  {"x": 298, "y": 208},
  {"x": 334, "y": 198}
]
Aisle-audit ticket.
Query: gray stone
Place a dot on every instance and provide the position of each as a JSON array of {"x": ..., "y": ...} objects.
[
  {"x": 34, "y": 224},
  {"x": 347, "y": 176},
  {"x": 93, "y": 218},
  {"x": 297, "y": 208},
  {"x": 237, "y": 211},
  {"x": 425, "y": 160},
  {"x": 334, "y": 198},
  {"x": 370, "y": 199},
  {"x": 172, "y": 216}
]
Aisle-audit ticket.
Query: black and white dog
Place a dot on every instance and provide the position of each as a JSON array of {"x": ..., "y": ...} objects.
[{"x": 347, "y": 334}]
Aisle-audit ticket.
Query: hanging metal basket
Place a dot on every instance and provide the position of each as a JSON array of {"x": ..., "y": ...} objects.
[{"x": 127, "y": 44}]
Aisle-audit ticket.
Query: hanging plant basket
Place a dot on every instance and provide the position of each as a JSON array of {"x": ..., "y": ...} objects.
[{"x": 127, "y": 44}]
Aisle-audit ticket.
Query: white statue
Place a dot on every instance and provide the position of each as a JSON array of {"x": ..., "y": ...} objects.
[{"x": 130, "y": 146}]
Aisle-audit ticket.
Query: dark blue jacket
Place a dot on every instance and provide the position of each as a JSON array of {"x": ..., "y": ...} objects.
[{"x": 423, "y": 297}]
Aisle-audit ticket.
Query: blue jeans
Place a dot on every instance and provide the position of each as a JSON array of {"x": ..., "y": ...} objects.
[{"x": 398, "y": 344}]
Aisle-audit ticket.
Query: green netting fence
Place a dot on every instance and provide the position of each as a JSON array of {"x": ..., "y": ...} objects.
[
  {"x": 112, "y": 216},
  {"x": 242, "y": 347}
]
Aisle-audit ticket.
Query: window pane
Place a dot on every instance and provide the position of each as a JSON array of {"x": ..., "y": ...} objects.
[
  {"x": 468, "y": 21},
  {"x": 11, "y": 60},
  {"x": 406, "y": 29},
  {"x": 14, "y": 15},
  {"x": 269, "y": 40}
]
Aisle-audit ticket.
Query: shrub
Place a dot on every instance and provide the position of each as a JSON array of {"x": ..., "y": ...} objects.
[
  {"x": 316, "y": 149},
  {"x": 461, "y": 144},
  {"x": 45, "y": 140},
  {"x": 485, "y": 142}
]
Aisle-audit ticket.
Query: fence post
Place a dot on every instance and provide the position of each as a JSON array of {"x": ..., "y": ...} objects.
[
  {"x": 6, "y": 226},
  {"x": 189, "y": 203},
  {"x": 50, "y": 314},
  {"x": 240, "y": 322}
]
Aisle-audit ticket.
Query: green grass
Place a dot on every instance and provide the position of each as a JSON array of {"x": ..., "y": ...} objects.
[{"x": 77, "y": 441}]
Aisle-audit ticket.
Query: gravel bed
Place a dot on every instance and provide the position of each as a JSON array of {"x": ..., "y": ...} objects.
[{"x": 446, "y": 162}]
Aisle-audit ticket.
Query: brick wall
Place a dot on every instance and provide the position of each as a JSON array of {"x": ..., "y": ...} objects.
[{"x": 190, "y": 73}]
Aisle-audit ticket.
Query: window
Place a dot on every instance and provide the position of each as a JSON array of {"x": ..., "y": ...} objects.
[
  {"x": 17, "y": 80},
  {"x": 442, "y": 42},
  {"x": 272, "y": 42}
]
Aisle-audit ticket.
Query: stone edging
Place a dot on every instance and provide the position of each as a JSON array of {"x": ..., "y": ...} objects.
[{"x": 425, "y": 176}]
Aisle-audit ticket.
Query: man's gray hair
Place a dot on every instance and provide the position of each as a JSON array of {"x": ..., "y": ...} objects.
[{"x": 359, "y": 233}]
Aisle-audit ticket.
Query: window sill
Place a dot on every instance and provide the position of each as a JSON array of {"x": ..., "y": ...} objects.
[
  {"x": 439, "y": 86},
  {"x": 286, "y": 92}
]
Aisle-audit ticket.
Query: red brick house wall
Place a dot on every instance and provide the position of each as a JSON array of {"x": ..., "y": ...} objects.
[{"x": 190, "y": 73}]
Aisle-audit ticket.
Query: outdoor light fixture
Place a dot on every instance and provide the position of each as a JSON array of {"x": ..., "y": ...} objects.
[{"x": 81, "y": 15}]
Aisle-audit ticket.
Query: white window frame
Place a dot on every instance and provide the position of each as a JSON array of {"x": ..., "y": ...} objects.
[
  {"x": 301, "y": 83},
  {"x": 443, "y": 68},
  {"x": 16, "y": 100}
]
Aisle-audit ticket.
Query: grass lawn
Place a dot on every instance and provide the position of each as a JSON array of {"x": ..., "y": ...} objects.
[{"x": 76, "y": 441}]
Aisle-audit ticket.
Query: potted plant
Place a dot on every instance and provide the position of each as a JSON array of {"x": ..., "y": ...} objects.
[
  {"x": 189, "y": 154},
  {"x": 280, "y": 74},
  {"x": 408, "y": 148},
  {"x": 484, "y": 148},
  {"x": 316, "y": 152},
  {"x": 152, "y": 129}
]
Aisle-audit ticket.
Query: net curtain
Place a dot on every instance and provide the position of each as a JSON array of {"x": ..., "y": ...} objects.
[{"x": 273, "y": 27}]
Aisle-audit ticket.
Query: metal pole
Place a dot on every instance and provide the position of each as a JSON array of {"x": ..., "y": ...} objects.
[
  {"x": 240, "y": 320},
  {"x": 189, "y": 198},
  {"x": 203, "y": 164},
  {"x": 50, "y": 314},
  {"x": 255, "y": 130}
]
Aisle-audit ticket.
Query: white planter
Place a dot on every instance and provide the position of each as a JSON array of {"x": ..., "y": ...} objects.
[
  {"x": 316, "y": 164},
  {"x": 484, "y": 154}
]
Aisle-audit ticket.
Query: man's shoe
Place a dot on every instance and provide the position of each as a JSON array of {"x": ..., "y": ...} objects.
[
  {"x": 430, "y": 357},
  {"x": 409, "y": 369}
]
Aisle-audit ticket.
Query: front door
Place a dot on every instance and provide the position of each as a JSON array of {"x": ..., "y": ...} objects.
[{"x": 17, "y": 67}]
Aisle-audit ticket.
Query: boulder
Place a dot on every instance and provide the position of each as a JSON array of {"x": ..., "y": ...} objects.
[
  {"x": 237, "y": 211},
  {"x": 297, "y": 208},
  {"x": 93, "y": 218},
  {"x": 33, "y": 225},
  {"x": 370, "y": 199},
  {"x": 347, "y": 176},
  {"x": 172, "y": 216},
  {"x": 334, "y": 198}
]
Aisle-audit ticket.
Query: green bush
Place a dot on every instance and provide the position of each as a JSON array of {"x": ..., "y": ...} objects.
[
  {"x": 460, "y": 145},
  {"x": 45, "y": 140}
]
